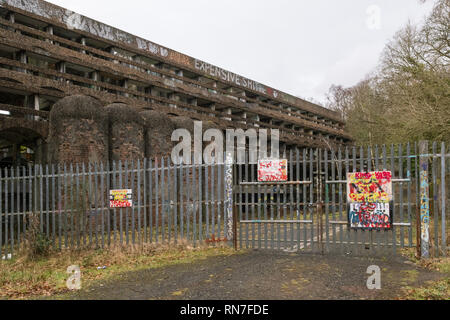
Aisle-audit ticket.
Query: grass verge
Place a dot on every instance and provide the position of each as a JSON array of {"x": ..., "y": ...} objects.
[
  {"x": 25, "y": 278},
  {"x": 431, "y": 290}
]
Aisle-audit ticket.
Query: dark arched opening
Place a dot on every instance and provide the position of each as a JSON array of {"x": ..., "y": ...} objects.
[{"x": 20, "y": 145}]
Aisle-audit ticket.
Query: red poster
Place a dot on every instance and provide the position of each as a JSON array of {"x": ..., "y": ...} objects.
[
  {"x": 272, "y": 170},
  {"x": 120, "y": 198}
]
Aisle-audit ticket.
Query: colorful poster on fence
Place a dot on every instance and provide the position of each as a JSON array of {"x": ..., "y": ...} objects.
[
  {"x": 369, "y": 186},
  {"x": 272, "y": 170},
  {"x": 369, "y": 195},
  {"x": 120, "y": 198},
  {"x": 370, "y": 215}
]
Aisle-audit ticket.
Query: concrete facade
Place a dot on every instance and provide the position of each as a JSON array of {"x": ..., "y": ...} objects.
[{"x": 48, "y": 53}]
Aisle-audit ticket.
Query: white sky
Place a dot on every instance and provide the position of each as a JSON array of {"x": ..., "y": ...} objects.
[{"x": 301, "y": 47}]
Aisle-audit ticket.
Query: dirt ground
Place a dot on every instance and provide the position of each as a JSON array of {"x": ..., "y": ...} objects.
[{"x": 264, "y": 275}]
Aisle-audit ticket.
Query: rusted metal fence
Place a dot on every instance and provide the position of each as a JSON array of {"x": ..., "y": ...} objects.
[
  {"x": 311, "y": 213},
  {"x": 68, "y": 206}
]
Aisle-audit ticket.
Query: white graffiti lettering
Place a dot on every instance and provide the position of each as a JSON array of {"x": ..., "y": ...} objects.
[{"x": 229, "y": 76}]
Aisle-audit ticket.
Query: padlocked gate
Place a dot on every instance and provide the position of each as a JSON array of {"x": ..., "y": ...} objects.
[{"x": 310, "y": 212}]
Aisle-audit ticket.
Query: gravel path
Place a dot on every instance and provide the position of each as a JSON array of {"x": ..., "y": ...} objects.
[{"x": 261, "y": 275}]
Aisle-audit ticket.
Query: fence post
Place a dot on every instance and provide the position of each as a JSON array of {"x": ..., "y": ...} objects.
[
  {"x": 229, "y": 196},
  {"x": 424, "y": 200},
  {"x": 443, "y": 199}
]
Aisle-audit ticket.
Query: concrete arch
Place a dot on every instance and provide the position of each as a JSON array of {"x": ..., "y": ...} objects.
[
  {"x": 16, "y": 132},
  {"x": 23, "y": 129}
]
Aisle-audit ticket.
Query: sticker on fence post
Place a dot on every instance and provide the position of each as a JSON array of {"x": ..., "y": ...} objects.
[
  {"x": 369, "y": 195},
  {"x": 120, "y": 198},
  {"x": 272, "y": 170},
  {"x": 229, "y": 195}
]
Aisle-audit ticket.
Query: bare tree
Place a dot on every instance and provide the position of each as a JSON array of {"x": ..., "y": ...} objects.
[{"x": 408, "y": 97}]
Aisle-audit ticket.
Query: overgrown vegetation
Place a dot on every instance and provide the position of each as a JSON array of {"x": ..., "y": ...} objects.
[
  {"x": 407, "y": 98},
  {"x": 432, "y": 290},
  {"x": 37, "y": 244},
  {"x": 25, "y": 278}
]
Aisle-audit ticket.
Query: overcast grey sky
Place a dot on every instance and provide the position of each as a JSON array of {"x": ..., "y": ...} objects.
[{"x": 300, "y": 47}]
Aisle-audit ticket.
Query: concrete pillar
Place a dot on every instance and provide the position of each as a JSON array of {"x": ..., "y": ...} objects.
[
  {"x": 230, "y": 90},
  {"x": 148, "y": 90},
  {"x": 12, "y": 18},
  {"x": 83, "y": 42},
  {"x": 256, "y": 118},
  {"x": 154, "y": 92},
  {"x": 95, "y": 76},
  {"x": 62, "y": 69},
  {"x": 151, "y": 72},
  {"x": 181, "y": 74},
  {"x": 214, "y": 86},
  {"x": 243, "y": 99},
  {"x": 244, "y": 116},
  {"x": 125, "y": 85},
  {"x": 49, "y": 30},
  {"x": 113, "y": 51},
  {"x": 37, "y": 105},
  {"x": 23, "y": 59},
  {"x": 213, "y": 107},
  {"x": 174, "y": 97},
  {"x": 227, "y": 111}
]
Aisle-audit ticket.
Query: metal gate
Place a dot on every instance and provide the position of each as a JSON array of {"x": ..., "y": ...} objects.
[
  {"x": 309, "y": 212},
  {"x": 222, "y": 202}
]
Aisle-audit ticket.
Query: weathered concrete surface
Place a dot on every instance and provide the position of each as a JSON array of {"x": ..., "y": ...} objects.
[
  {"x": 56, "y": 15},
  {"x": 78, "y": 131},
  {"x": 121, "y": 72},
  {"x": 158, "y": 133},
  {"x": 126, "y": 133},
  {"x": 263, "y": 275},
  {"x": 25, "y": 129}
]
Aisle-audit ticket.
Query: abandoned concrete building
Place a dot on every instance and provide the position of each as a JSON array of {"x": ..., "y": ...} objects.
[{"x": 73, "y": 90}]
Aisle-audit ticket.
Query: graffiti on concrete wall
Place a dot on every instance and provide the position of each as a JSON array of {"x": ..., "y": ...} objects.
[
  {"x": 369, "y": 195},
  {"x": 228, "y": 76}
]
